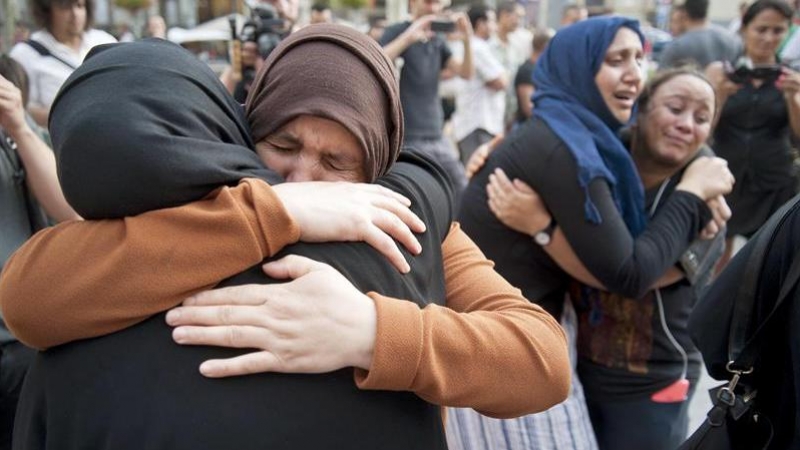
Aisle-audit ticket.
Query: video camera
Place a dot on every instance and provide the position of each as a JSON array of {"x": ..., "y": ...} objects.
[
  {"x": 744, "y": 71},
  {"x": 264, "y": 27}
]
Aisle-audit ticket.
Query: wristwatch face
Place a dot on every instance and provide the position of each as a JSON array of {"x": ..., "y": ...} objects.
[{"x": 542, "y": 238}]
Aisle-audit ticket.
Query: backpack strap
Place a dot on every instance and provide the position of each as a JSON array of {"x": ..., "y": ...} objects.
[
  {"x": 742, "y": 349},
  {"x": 42, "y": 50}
]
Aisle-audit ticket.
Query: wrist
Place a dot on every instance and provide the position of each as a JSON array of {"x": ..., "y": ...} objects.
[
  {"x": 691, "y": 189},
  {"x": 544, "y": 236},
  {"x": 366, "y": 331}
]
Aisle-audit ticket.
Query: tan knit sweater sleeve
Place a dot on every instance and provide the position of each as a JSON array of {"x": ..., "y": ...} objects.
[
  {"x": 490, "y": 349},
  {"x": 84, "y": 279}
]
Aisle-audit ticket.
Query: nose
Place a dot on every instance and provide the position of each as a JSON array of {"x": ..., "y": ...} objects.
[
  {"x": 301, "y": 170},
  {"x": 685, "y": 123},
  {"x": 634, "y": 73}
]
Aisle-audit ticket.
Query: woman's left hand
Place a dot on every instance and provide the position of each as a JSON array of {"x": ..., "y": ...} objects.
[
  {"x": 319, "y": 322},
  {"x": 516, "y": 204},
  {"x": 789, "y": 82}
]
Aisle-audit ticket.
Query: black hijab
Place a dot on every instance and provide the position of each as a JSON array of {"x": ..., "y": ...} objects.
[{"x": 145, "y": 125}]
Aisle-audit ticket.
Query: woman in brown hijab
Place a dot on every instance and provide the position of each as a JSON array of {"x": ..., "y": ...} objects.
[{"x": 466, "y": 337}]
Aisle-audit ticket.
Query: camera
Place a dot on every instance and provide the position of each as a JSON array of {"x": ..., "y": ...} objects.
[
  {"x": 443, "y": 26},
  {"x": 264, "y": 28},
  {"x": 744, "y": 71}
]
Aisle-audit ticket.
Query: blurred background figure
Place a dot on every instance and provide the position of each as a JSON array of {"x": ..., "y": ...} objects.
[
  {"x": 156, "y": 27},
  {"x": 511, "y": 44},
  {"x": 701, "y": 43},
  {"x": 523, "y": 81},
  {"x": 29, "y": 192},
  {"x": 376, "y": 26},
  {"x": 573, "y": 13},
  {"x": 320, "y": 13},
  {"x": 677, "y": 21},
  {"x": 52, "y": 53}
]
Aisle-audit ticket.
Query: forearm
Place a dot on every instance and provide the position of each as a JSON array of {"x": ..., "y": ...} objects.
[
  {"x": 489, "y": 349},
  {"x": 41, "y": 176},
  {"x": 90, "y": 278},
  {"x": 40, "y": 114},
  {"x": 467, "y": 70},
  {"x": 793, "y": 107},
  {"x": 396, "y": 48}
]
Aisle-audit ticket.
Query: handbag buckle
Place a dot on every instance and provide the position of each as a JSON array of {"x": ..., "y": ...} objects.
[{"x": 726, "y": 394}]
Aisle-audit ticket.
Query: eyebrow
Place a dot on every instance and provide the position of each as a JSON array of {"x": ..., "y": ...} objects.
[
  {"x": 686, "y": 98},
  {"x": 284, "y": 135}
]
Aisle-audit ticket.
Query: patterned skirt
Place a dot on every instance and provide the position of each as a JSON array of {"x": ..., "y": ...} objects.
[{"x": 565, "y": 426}]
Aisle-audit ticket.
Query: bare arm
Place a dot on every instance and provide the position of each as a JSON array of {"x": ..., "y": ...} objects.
[{"x": 36, "y": 156}]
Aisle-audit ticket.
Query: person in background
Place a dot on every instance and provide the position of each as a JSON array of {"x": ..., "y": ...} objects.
[
  {"x": 573, "y": 13},
  {"x": 757, "y": 120},
  {"x": 377, "y": 24},
  {"x": 511, "y": 45},
  {"x": 156, "y": 27},
  {"x": 736, "y": 23},
  {"x": 425, "y": 54},
  {"x": 58, "y": 49},
  {"x": 523, "y": 81},
  {"x": 702, "y": 42},
  {"x": 480, "y": 101},
  {"x": 677, "y": 20},
  {"x": 29, "y": 192},
  {"x": 320, "y": 13}
]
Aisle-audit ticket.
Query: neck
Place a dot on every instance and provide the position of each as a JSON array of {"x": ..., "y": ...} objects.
[
  {"x": 72, "y": 41},
  {"x": 692, "y": 24},
  {"x": 770, "y": 59},
  {"x": 651, "y": 174},
  {"x": 503, "y": 35}
]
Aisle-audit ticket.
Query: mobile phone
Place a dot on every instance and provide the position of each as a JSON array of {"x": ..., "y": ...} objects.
[{"x": 443, "y": 26}]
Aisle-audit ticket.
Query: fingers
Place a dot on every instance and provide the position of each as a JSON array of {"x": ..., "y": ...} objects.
[
  {"x": 524, "y": 188},
  {"x": 250, "y": 363},
  {"x": 221, "y": 315},
  {"x": 247, "y": 294},
  {"x": 404, "y": 213},
  {"x": 291, "y": 266},
  {"x": 232, "y": 336},
  {"x": 477, "y": 160}
]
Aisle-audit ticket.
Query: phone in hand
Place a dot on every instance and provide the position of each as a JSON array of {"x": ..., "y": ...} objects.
[{"x": 443, "y": 26}]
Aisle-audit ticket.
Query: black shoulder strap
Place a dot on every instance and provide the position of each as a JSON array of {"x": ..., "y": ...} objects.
[
  {"x": 42, "y": 50},
  {"x": 742, "y": 350}
]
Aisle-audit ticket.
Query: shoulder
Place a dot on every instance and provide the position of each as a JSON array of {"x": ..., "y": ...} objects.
[
  {"x": 23, "y": 53},
  {"x": 392, "y": 31},
  {"x": 97, "y": 37}
]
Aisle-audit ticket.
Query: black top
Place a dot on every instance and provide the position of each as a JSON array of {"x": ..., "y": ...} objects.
[
  {"x": 419, "y": 82},
  {"x": 777, "y": 370},
  {"x": 754, "y": 136},
  {"x": 623, "y": 347},
  {"x": 624, "y": 265},
  {"x": 137, "y": 389}
]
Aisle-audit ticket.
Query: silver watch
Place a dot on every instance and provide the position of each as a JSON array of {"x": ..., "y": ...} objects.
[{"x": 544, "y": 237}]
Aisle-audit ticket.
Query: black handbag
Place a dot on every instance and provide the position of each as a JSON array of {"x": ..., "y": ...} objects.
[{"x": 734, "y": 421}]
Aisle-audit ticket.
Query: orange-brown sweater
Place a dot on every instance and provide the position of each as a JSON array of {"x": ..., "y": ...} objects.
[{"x": 488, "y": 349}]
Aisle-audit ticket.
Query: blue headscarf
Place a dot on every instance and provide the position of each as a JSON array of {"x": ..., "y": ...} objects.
[{"x": 568, "y": 100}]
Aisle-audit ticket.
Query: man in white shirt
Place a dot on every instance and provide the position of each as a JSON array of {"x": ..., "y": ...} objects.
[
  {"x": 511, "y": 46},
  {"x": 480, "y": 101},
  {"x": 52, "y": 53}
]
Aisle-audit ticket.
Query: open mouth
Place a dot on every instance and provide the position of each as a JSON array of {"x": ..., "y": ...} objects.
[{"x": 625, "y": 98}]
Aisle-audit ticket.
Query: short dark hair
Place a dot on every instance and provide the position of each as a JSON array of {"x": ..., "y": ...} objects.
[
  {"x": 42, "y": 9},
  {"x": 13, "y": 71},
  {"x": 320, "y": 7},
  {"x": 696, "y": 9},
  {"x": 506, "y": 7},
  {"x": 477, "y": 13},
  {"x": 541, "y": 39},
  {"x": 759, "y": 6}
]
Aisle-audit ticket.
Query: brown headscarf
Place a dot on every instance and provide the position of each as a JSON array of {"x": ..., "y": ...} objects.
[{"x": 337, "y": 73}]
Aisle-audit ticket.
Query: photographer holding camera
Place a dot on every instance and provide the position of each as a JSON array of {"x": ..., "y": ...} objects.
[
  {"x": 759, "y": 112},
  {"x": 258, "y": 37},
  {"x": 421, "y": 45}
]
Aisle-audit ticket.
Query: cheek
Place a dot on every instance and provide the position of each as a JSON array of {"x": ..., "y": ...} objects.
[{"x": 281, "y": 164}]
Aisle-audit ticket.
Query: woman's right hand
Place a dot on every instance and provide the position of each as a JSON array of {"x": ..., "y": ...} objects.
[
  {"x": 717, "y": 74},
  {"x": 707, "y": 177},
  {"x": 516, "y": 204},
  {"x": 353, "y": 212}
]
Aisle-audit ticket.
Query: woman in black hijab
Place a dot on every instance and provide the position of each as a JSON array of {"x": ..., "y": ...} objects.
[{"x": 135, "y": 390}]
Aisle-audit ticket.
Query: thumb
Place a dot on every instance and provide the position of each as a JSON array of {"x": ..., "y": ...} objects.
[{"x": 291, "y": 266}]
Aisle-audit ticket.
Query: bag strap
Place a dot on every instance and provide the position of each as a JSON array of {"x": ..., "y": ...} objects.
[
  {"x": 42, "y": 50},
  {"x": 742, "y": 350}
]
